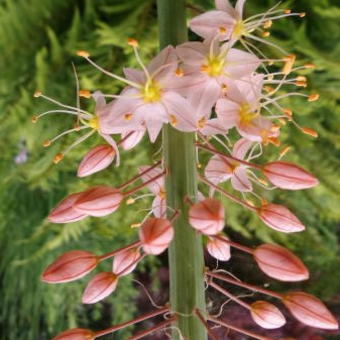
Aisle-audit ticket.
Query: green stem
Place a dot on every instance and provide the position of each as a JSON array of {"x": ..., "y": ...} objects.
[{"x": 186, "y": 251}]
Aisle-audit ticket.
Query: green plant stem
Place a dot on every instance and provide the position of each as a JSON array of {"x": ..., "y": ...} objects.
[{"x": 186, "y": 251}]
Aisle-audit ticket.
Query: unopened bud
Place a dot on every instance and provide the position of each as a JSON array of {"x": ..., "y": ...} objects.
[
  {"x": 218, "y": 249},
  {"x": 76, "y": 334},
  {"x": 267, "y": 315},
  {"x": 126, "y": 261}
]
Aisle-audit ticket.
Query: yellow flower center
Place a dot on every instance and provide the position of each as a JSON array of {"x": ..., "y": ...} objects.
[
  {"x": 239, "y": 29},
  {"x": 93, "y": 123},
  {"x": 213, "y": 66},
  {"x": 246, "y": 116},
  {"x": 151, "y": 92}
]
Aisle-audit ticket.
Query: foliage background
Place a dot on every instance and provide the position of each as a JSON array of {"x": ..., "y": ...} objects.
[{"x": 38, "y": 40}]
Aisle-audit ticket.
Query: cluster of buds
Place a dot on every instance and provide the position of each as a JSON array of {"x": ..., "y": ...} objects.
[{"x": 207, "y": 88}]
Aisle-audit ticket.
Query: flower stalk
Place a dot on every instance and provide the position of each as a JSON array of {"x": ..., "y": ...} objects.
[{"x": 186, "y": 277}]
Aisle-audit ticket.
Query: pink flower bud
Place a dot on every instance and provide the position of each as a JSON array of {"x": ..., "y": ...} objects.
[
  {"x": 310, "y": 310},
  {"x": 267, "y": 315},
  {"x": 218, "y": 249},
  {"x": 279, "y": 263},
  {"x": 102, "y": 285},
  {"x": 75, "y": 334},
  {"x": 70, "y": 266},
  {"x": 126, "y": 261},
  {"x": 289, "y": 176},
  {"x": 156, "y": 235},
  {"x": 98, "y": 201},
  {"x": 96, "y": 160},
  {"x": 280, "y": 218},
  {"x": 207, "y": 216},
  {"x": 64, "y": 212}
]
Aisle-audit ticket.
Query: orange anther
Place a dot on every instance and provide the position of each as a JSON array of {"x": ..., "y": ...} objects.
[
  {"x": 222, "y": 30},
  {"x": 128, "y": 116},
  {"x": 83, "y": 54},
  {"x": 46, "y": 143},
  {"x": 85, "y": 93},
  {"x": 265, "y": 34},
  {"x": 287, "y": 11},
  {"x": 37, "y": 94},
  {"x": 179, "y": 72},
  {"x": 313, "y": 97},
  {"x": 133, "y": 42},
  {"x": 34, "y": 119},
  {"x": 309, "y": 65},
  {"x": 302, "y": 15},
  {"x": 267, "y": 24},
  {"x": 310, "y": 132},
  {"x": 57, "y": 158}
]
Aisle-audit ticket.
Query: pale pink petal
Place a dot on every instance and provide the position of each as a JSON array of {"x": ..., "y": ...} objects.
[
  {"x": 224, "y": 5},
  {"x": 208, "y": 25},
  {"x": 251, "y": 88},
  {"x": 228, "y": 112},
  {"x": 132, "y": 140},
  {"x": 213, "y": 127},
  {"x": 240, "y": 180},
  {"x": 241, "y": 147},
  {"x": 163, "y": 64},
  {"x": 217, "y": 170},
  {"x": 192, "y": 53},
  {"x": 218, "y": 249},
  {"x": 180, "y": 108},
  {"x": 239, "y": 7},
  {"x": 154, "y": 127},
  {"x": 134, "y": 75},
  {"x": 156, "y": 186},
  {"x": 112, "y": 142},
  {"x": 159, "y": 207},
  {"x": 240, "y": 63}
]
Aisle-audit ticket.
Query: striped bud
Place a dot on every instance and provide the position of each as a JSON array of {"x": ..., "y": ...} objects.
[
  {"x": 126, "y": 261},
  {"x": 156, "y": 235},
  {"x": 102, "y": 285},
  {"x": 75, "y": 334},
  {"x": 218, "y": 249},
  {"x": 279, "y": 217},
  {"x": 267, "y": 315},
  {"x": 70, "y": 266},
  {"x": 207, "y": 216},
  {"x": 289, "y": 176},
  {"x": 279, "y": 263},
  {"x": 98, "y": 201},
  {"x": 64, "y": 212},
  {"x": 309, "y": 310},
  {"x": 96, "y": 160}
]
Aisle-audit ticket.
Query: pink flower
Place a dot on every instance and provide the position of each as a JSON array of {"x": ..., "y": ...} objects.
[
  {"x": 207, "y": 216},
  {"x": 151, "y": 100},
  {"x": 64, "y": 212},
  {"x": 98, "y": 201},
  {"x": 241, "y": 109},
  {"x": 102, "y": 285},
  {"x": 289, "y": 176},
  {"x": 220, "y": 169},
  {"x": 75, "y": 334},
  {"x": 70, "y": 266},
  {"x": 218, "y": 249},
  {"x": 267, "y": 315},
  {"x": 96, "y": 160},
  {"x": 310, "y": 310},
  {"x": 280, "y": 218},
  {"x": 209, "y": 69},
  {"x": 132, "y": 138},
  {"x": 126, "y": 261},
  {"x": 157, "y": 187},
  {"x": 279, "y": 263},
  {"x": 156, "y": 235}
]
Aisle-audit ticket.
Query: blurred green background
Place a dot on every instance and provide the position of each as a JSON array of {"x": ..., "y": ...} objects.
[{"x": 38, "y": 41}]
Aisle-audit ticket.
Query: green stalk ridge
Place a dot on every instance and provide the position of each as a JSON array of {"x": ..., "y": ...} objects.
[{"x": 186, "y": 260}]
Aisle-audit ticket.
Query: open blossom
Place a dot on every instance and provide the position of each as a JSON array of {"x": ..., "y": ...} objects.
[
  {"x": 75, "y": 334},
  {"x": 207, "y": 216},
  {"x": 279, "y": 263},
  {"x": 220, "y": 169},
  {"x": 157, "y": 187},
  {"x": 310, "y": 310},
  {"x": 96, "y": 160},
  {"x": 267, "y": 315},
  {"x": 210, "y": 69},
  {"x": 70, "y": 266},
  {"x": 241, "y": 109},
  {"x": 150, "y": 100},
  {"x": 289, "y": 176},
  {"x": 218, "y": 249}
]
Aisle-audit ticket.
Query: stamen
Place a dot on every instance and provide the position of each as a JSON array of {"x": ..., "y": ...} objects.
[
  {"x": 58, "y": 157},
  {"x": 128, "y": 116},
  {"x": 302, "y": 15},
  {"x": 47, "y": 143},
  {"x": 37, "y": 94},
  {"x": 309, "y": 65},
  {"x": 287, "y": 11},
  {"x": 310, "y": 132},
  {"x": 134, "y": 44},
  {"x": 290, "y": 60},
  {"x": 268, "y": 24},
  {"x": 85, "y": 94},
  {"x": 76, "y": 129},
  {"x": 179, "y": 72},
  {"x": 313, "y": 97},
  {"x": 34, "y": 119},
  {"x": 265, "y": 34},
  {"x": 82, "y": 53}
]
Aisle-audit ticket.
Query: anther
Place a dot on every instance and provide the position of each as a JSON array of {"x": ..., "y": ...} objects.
[
  {"x": 179, "y": 72},
  {"x": 309, "y": 65},
  {"x": 132, "y": 42},
  {"x": 222, "y": 30},
  {"x": 46, "y": 143},
  {"x": 267, "y": 24},
  {"x": 130, "y": 201},
  {"x": 57, "y": 158},
  {"x": 83, "y": 54},
  {"x": 287, "y": 11},
  {"x": 199, "y": 166},
  {"x": 265, "y": 34},
  {"x": 201, "y": 123},
  {"x": 301, "y": 78},
  {"x": 37, "y": 94},
  {"x": 85, "y": 94},
  {"x": 309, "y": 131},
  {"x": 290, "y": 60},
  {"x": 275, "y": 141},
  {"x": 128, "y": 116},
  {"x": 284, "y": 151},
  {"x": 301, "y": 83},
  {"x": 34, "y": 119},
  {"x": 173, "y": 120},
  {"x": 313, "y": 97},
  {"x": 135, "y": 225},
  {"x": 302, "y": 15},
  {"x": 76, "y": 127}
]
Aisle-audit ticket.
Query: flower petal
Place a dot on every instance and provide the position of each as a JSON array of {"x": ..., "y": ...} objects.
[
  {"x": 217, "y": 170},
  {"x": 241, "y": 147},
  {"x": 240, "y": 180},
  {"x": 192, "y": 53}
]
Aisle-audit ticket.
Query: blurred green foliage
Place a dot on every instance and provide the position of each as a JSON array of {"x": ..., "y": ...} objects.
[{"x": 38, "y": 40}]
